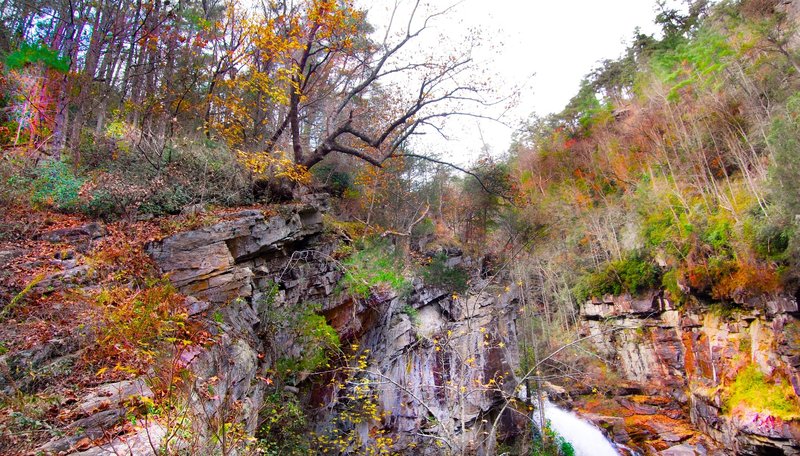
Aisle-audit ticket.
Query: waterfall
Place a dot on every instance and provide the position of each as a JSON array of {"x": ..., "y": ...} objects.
[{"x": 586, "y": 439}]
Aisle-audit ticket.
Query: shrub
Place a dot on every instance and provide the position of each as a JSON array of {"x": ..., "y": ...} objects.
[
  {"x": 413, "y": 314},
  {"x": 771, "y": 241},
  {"x": 102, "y": 204},
  {"x": 55, "y": 185},
  {"x": 166, "y": 200},
  {"x": 669, "y": 282},
  {"x": 438, "y": 274},
  {"x": 718, "y": 234},
  {"x": 661, "y": 229},
  {"x": 424, "y": 228},
  {"x": 136, "y": 327},
  {"x": 551, "y": 444},
  {"x": 309, "y": 333},
  {"x": 745, "y": 280},
  {"x": 632, "y": 274},
  {"x": 336, "y": 182},
  {"x": 14, "y": 184},
  {"x": 283, "y": 430},
  {"x": 128, "y": 181},
  {"x": 317, "y": 338},
  {"x": 784, "y": 173}
]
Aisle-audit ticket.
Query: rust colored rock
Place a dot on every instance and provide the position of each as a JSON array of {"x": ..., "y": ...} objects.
[{"x": 694, "y": 356}]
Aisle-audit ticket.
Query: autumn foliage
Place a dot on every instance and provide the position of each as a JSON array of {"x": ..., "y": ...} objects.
[{"x": 673, "y": 159}]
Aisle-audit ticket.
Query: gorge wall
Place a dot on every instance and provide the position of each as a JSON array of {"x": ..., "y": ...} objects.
[
  {"x": 437, "y": 366},
  {"x": 696, "y": 358}
]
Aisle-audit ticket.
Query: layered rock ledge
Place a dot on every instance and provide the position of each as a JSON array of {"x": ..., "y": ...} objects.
[{"x": 692, "y": 355}]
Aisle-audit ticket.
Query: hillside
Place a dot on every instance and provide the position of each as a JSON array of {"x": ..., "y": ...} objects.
[{"x": 217, "y": 238}]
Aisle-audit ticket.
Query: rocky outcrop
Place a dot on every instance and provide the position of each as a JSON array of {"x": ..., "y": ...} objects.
[
  {"x": 693, "y": 356},
  {"x": 449, "y": 366},
  {"x": 226, "y": 260},
  {"x": 439, "y": 365},
  {"x": 99, "y": 410}
]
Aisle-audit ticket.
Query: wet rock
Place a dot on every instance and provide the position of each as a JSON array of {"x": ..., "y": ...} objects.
[{"x": 612, "y": 426}]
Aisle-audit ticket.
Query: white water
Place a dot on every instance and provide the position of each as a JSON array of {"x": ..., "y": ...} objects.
[{"x": 586, "y": 439}]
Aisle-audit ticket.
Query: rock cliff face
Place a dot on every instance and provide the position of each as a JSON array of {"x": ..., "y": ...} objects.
[
  {"x": 438, "y": 365},
  {"x": 694, "y": 356}
]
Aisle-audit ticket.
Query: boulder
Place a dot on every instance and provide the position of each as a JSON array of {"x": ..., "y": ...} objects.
[{"x": 72, "y": 235}]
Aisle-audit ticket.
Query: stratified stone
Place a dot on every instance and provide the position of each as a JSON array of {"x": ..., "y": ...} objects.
[{"x": 208, "y": 262}]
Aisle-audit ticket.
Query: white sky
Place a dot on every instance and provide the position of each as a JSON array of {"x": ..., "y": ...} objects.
[{"x": 549, "y": 44}]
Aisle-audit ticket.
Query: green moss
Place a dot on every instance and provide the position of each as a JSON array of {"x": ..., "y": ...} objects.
[
  {"x": 723, "y": 310},
  {"x": 374, "y": 264},
  {"x": 669, "y": 281},
  {"x": 755, "y": 391}
]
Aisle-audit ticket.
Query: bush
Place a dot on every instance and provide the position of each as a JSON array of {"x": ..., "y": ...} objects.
[
  {"x": 14, "y": 184},
  {"x": 55, "y": 185},
  {"x": 772, "y": 241},
  {"x": 438, "y": 274},
  {"x": 126, "y": 180},
  {"x": 669, "y": 282},
  {"x": 102, "y": 204},
  {"x": 632, "y": 274},
  {"x": 551, "y": 444},
  {"x": 785, "y": 172},
  {"x": 412, "y": 313},
  {"x": 134, "y": 328},
  {"x": 424, "y": 228},
  {"x": 169, "y": 199},
  {"x": 336, "y": 182},
  {"x": 284, "y": 429},
  {"x": 317, "y": 339}
]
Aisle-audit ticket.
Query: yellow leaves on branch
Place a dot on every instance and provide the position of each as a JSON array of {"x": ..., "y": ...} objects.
[{"x": 275, "y": 165}]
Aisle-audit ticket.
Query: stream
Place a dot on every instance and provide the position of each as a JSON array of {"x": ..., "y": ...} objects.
[{"x": 586, "y": 439}]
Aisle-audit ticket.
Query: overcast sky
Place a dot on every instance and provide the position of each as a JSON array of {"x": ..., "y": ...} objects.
[{"x": 549, "y": 45}]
